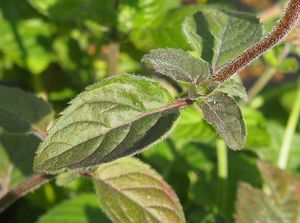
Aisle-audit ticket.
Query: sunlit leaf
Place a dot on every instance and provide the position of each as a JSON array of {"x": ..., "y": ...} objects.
[
  {"x": 178, "y": 64},
  {"x": 233, "y": 88},
  {"x": 83, "y": 208},
  {"x": 192, "y": 127},
  {"x": 167, "y": 33},
  {"x": 114, "y": 118},
  {"x": 220, "y": 35},
  {"x": 130, "y": 191},
  {"x": 22, "y": 111},
  {"x": 258, "y": 135},
  {"x": 26, "y": 43},
  {"x": 224, "y": 114}
]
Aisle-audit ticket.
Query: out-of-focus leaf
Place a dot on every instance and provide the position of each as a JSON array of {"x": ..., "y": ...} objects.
[
  {"x": 279, "y": 205},
  {"x": 83, "y": 208},
  {"x": 66, "y": 178},
  {"x": 130, "y": 191},
  {"x": 205, "y": 190},
  {"x": 22, "y": 111},
  {"x": 258, "y": 135},
  {"x": 26, "y": 43},
  {"x": 160, "y": 157},
  {"x": 274, "y": 58},
  {"x": 114, "y": 118},
  {"x": 143, "y": 14},
  {"x": 220, "y": 35},
  {"x": 78, "y": 10},
  {"x": 16, "y": 157},
  {"x": 224, "y": 114},
  {"x": 178, "y": 64},
  {"x": 233, "y": 88},
  {"x": 191, "y": 127},
  {"x": 288, "y": 65},
  {"x": 167, "y": 33}
]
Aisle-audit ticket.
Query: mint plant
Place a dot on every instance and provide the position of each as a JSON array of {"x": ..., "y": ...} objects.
[{"x": 123, "y": 115}]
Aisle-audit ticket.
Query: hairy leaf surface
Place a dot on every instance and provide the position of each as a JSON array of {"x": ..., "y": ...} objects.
[
  {"x": 280, "y": 205},
  {"x": 83, "y": 208},
  {"x": 114, "y": 118},
  {"x": 220, "y": 35},
  {"x": 224, "y": 114},
  {"x": 233, "y": 88},
  {"x": 130, "y": 191},
  {"x": 22, "y": 111},
  {"x": 178, "y": 64}
]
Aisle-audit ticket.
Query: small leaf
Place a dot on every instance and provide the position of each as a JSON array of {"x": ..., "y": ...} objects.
[
  {"x": 281, "y": 203},
  {"x": 22, "y": 112},
  {"x": 224, "y": 114},
  {"x": 178, "y": 64},
  {"x": 130, "y": 191},
  {"x": 114, "y": 118},
  {"x": 16, "y": 157},
  {"x": 220, "y": 35},
  {"x": 233, "y": 88},
  {"x": 83, "y": 208}
]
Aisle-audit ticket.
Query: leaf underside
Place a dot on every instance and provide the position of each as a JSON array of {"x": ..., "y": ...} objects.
[
  {"x": 130, "y": 191},
  {"x": 224, "y": 114},
  {"x": 114, "y": 118}
]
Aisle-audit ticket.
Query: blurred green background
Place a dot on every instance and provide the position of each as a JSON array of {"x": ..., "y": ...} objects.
[{"x": 55, "y": 48}]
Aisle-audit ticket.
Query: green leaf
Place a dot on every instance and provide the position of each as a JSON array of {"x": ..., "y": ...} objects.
[
  {"x": 116, "y": 117},
  {"x": 224, "y": 114},
  {"x": 22, "y": 112},
  {"x": 281, "y": 204},
  {"x": 220, "y": 35},
  {"x": 178, "y": 64},
  {"x": 167, "y": 33},
  {"x": 191, "y": 127},
  {"x": 258, "y": 135},
  {"x": 83, "y": 208},
  {"x": 66, "y": 178},
  {"x": 130, "y": 191},
  {"x": 26, "y": 43},
  {"x": 141, "y": 14},
  {"x": 16, "y": 157},
  {"x": 233, "y": 88}
]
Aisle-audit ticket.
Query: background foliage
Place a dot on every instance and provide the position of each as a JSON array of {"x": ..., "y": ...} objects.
[{"x": 54, "y": 49}]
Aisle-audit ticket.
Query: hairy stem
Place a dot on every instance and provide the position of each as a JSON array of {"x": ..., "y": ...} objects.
[
  {"x": 287, "y": 21},
  {"x": 28, "y": 186},
  {"x": 289, "y": 132}
]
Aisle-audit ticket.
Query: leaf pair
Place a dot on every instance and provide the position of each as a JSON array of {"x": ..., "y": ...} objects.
[{"x": 217, "y": 36}]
